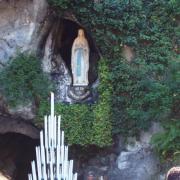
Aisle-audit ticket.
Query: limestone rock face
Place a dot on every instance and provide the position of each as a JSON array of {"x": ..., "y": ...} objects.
[
  {"x": 31, "y": 26},
  {"x": 19, "y": 24},
  {"x": 26, "y": 112},
  {"x": 62, "y": 80},
  {"x": 127, "y": 160},
  {"x": 2, "y": 177},
  {"x": 128, "y": 53},
  {"x": 138, "y": 161}
]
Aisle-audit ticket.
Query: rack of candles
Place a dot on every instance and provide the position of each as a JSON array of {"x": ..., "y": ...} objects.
[{"x": 52, "y": 155}]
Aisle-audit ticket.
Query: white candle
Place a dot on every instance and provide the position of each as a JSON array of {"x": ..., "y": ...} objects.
[
  {"x": 50, "y": 130},
  {"x": 69, "y": 171},
  {"x": 62, "y": 141},
  {"x": 71, "y": 168},
  {"x": 59, "y": 131},
  {"x": 75, "y": 176},
  {"x": 43, "y": 155},
  {"x": 54, "y": 131},
  {"x": 52, "y": 104},
  {"x": 51, "y": 171},
  {"x": 52, "y": 154},
  {"x": 46, "y": 131},
  {"x": 57, "y": 160},
  {"x": 39, "y": 163},
  {"x": 42, "y": 145},
  {"x": 33, "y": 170},
  {"x": 30, "y": 177}
]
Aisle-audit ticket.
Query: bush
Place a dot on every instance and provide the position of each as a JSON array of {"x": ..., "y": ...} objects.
[
  {"x": 147, "y": 88},
  {"x": 22, "y": 80},
  {"x": 77, "y": 122},
  {"x": 102, "y": 124},
  {"x": 167, "y": 144}
]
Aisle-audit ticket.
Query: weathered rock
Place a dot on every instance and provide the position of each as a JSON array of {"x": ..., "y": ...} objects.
[
  {"x": 128, "y": 53},
  {"x": 20, "y": 24},
  {"x": 140, "y": 164},
  {"x": 4, "y": 177},
  {"x": 17, "y": 125},
  {"x": 7, "y": 168},
  {"x": 138, "y": 161},
  {"x": 62, "y": 80},
  {"x": 128, "y": 159},
  {"x": 26, "y": 112},
  {"x": 48, "y": 54}
]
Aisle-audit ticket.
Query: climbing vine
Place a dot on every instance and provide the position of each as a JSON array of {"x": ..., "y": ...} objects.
[
  {"x": 145, "y": 89},
  {"x": 133, "y": 93}
]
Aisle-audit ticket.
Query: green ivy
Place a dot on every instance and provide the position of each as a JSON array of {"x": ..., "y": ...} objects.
[
  {"x": 102, "y": 124},
  {"x": 137, "y": 99},
  {"x": 23, "y": 81},
  {"x": 167, "y": 143},
  {"x": 141, "y": 92},
  {"x": 77, "y": 122},
  {"x": 147, "y": 88}
]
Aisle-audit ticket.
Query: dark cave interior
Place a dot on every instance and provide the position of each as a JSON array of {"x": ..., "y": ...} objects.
[{"x": 16, "y": 153}]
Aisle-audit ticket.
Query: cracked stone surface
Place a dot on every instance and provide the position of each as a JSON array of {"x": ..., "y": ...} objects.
[{"x": 19, "y": 24}]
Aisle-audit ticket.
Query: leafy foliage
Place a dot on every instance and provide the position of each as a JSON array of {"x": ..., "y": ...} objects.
[
  {"x": 167, "y": 143},
  {"x": 141, "y": 90},
  {"x": 137, "y": 99},
  {"x": 22, "y": 80},
  {"x": 132, "y": 94},
  {"x": 77, "y": 122},
  {"x": 102, "y": 125},
  {"x": 147, "y": 88}
]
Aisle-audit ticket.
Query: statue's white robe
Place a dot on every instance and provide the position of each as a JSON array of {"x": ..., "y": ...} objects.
[{"x": 80, "y": 62}]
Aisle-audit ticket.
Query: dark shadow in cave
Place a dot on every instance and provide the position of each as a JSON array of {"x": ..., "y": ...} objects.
[{"x": 16, "y": 153}]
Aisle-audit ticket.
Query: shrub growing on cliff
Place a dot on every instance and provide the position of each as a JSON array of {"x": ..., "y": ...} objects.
[
  {"x": 167, "y": 143},
  {"x": 141, "y": 91},
  {"x": 22, "y": 80},
  {"x": 102, "y": 124}
]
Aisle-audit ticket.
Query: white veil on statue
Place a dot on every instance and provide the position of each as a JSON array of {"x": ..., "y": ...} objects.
[{"x": 80, "y": 60}]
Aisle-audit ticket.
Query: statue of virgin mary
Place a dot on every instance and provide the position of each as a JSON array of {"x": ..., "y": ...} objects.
[{"x": 80, "y": 60}]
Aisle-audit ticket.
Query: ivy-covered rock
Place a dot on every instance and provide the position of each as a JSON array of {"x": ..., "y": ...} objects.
[{"x": 144, "y": 88}]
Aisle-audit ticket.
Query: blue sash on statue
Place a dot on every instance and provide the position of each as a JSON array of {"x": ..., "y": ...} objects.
[{"x": 79, "y": 61}]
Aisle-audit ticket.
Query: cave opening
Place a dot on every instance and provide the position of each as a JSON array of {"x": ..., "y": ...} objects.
[
  {"x": 64, "y": 33},
  {"x": 16, "y": 153}
]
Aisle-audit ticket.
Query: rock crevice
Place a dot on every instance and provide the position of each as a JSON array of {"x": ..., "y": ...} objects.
[{"x": 17, "y": 125}]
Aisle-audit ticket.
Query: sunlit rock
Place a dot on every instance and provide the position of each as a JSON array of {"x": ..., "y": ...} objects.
[
  {"x": 24, "y": 111},
  {"x": 19, "y": 24},
  {"x": 138, "y": 160}
]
